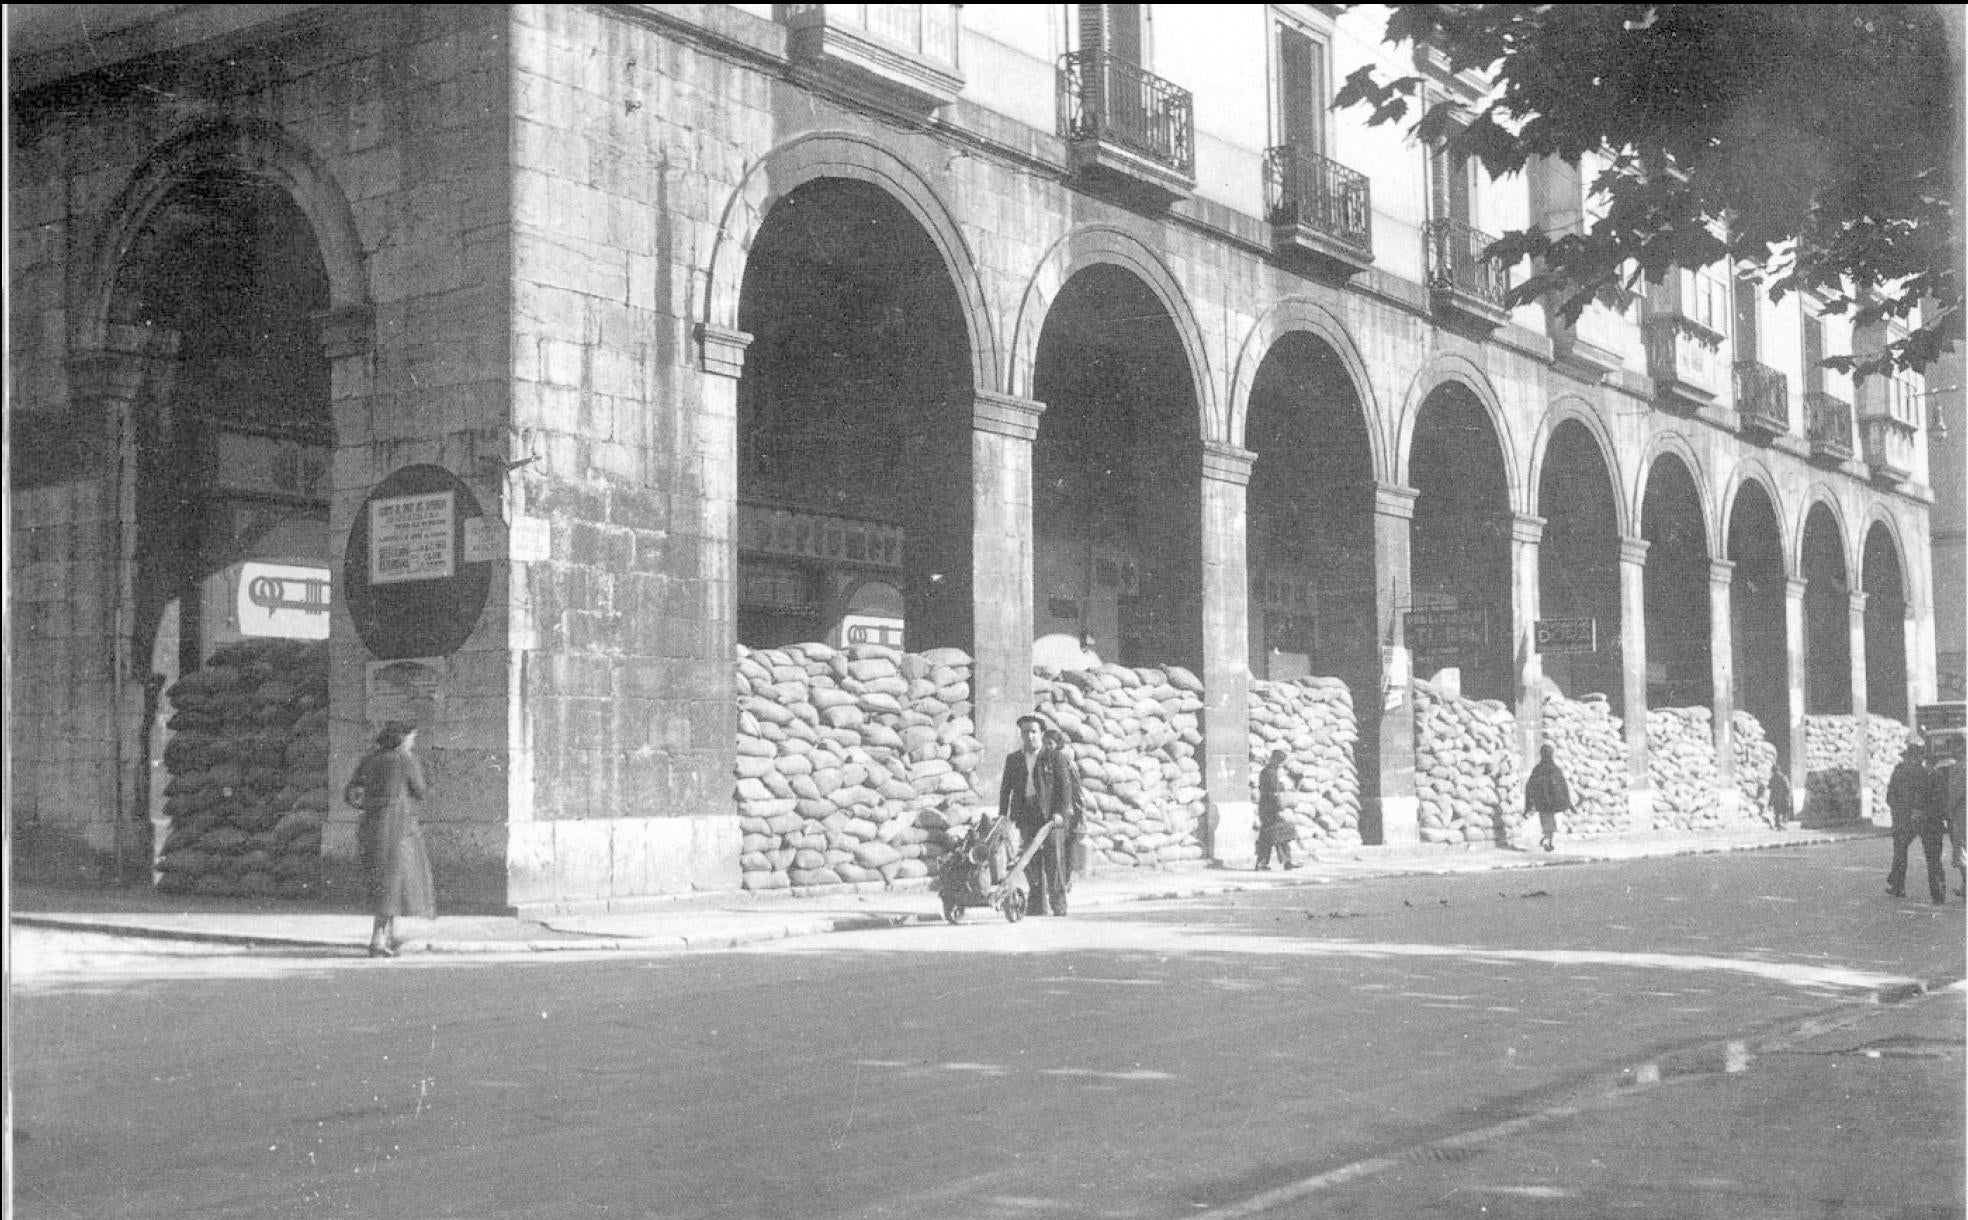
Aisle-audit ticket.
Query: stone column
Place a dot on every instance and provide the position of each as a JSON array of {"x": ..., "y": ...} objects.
[
  {"x": 1722, "y": 663},
  {"x": 1390, "y": 810},
  {"x": 1790, "y": 746},
  {"x": 1002, "y": 431},
  {"x": 102, "y": 747},
  {"x": 1526, "y": 532},
  {"x": 1226, "y": 472},
  {"x": 1633, "y": 678},
  {"x": 1861, "y": 748}
]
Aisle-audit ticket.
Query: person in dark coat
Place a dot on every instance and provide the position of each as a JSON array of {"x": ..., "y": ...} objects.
[
  {"x": 1908, "y": 796},
  {"x": 1275, "y": 831},
  {"x": 1781, "y": 805},
  {"x": 1036, "y": 796},
  {"x": 1071, "y": 838},
  {"x": 391, "y": 844},
  {"x": 1547, "y": 794}
]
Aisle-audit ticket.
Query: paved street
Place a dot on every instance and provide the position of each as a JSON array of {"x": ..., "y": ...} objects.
[{"x": 1691, "y": 1036}]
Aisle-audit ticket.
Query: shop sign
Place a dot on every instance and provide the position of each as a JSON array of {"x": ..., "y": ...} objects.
[
  {"x": 283, "y": 601},
  {"x": 412, "y": 538},
  {"x": 1558, "y": 636},
  {"x": 1447, "y": 637}
]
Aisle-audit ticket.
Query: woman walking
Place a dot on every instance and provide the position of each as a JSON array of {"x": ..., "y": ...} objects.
[{"x": 394, "y": 863}]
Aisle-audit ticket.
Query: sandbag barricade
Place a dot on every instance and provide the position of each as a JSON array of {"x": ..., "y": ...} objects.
[
  {"x": 248, "y": 760},
  {"x": 1311, "y": 719}
]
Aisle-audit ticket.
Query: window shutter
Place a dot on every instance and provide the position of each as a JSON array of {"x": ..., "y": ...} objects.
[
  {"x": 1813, "y": 354},
  {"x": 1744, "y": 294},
  {"x": 1301, "y": 91}
]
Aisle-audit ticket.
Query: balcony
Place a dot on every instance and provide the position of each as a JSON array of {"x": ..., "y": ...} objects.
[
  {"x": 1318, "y": 208},
  {"x": 1127, "y": 125},
  {"x": 896, "y": 56},
  {"x": 1462, "y": 280},
  {"x": 1684, "y": 359},
  {"x": 1762, "y": 400},
  {"x": 1888, "y": 447},
  {"x": 1828, "y": 426}
]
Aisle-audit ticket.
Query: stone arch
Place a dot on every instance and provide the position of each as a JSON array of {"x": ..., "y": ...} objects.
[
  {"x": 831, "y": 154},
  {"x": 1818, "y": 493},
  {"x": 1674, "y": 444},
  {"x": 1577, "y": 410},
  {"x": 1098, "y": 244},
  {"x": 1752, "y": 470},
  {"x": 1444, "y": 370},
  {"x": 252, "y": 147},
  {"x": 1877, "y": 516},
  {"x": 1298, "y": 314}
]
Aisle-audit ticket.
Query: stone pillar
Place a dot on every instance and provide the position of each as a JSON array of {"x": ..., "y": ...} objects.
[
  {"x": 1002, "y": 431},
  {"x": 1722, "y": 662},
  {"x": 1633, "y": 678},
  {"x": 1225, "y": 475},
  {"x": 1526, "y": 531},
  {"x": 1915, "y": 654},
  {"x": 1390, "y": 810},
  {"x": 1790, "y": 746},
  {"x": 102, "y": 747},
  {"x": 1862, "y": 748}
]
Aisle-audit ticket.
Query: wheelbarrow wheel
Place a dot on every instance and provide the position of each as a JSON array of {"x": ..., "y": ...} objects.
[
  {"x": 953, "y": 910},
  {"x": 1014, "y": 905}
]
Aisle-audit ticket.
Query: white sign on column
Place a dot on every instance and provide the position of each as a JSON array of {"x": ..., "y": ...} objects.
[{"x": 412, "y": 538}]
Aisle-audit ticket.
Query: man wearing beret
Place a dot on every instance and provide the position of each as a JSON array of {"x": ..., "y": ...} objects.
[{"x": 1036, "y": 797}]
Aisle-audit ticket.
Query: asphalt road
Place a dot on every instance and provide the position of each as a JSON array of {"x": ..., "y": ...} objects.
[{"x": 1690, "y": 1037}]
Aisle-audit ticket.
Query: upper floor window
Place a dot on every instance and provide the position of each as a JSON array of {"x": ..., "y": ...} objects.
[
  {"x": 1302, "y": 99},
  {"x": 1748, "y": 328},
  {"x": 1120, "y": 30},
  {"x": 1814, "y": 353}
]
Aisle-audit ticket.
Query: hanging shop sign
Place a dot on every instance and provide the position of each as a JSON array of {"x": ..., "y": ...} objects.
[
  {"x": 781, "y": 531},
  {"x": 417, "y": 572},
  {"x": 282, "y": 601},
  {"x": 1558, "y": 636}
]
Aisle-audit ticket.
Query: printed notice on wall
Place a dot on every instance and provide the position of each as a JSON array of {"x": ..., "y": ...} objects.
[{"x": 412, "y": 538}]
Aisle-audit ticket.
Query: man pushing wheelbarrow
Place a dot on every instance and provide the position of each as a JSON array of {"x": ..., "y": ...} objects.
[{"x": 1036, "y": 799}]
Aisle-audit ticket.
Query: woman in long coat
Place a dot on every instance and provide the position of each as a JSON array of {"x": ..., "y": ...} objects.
[
  {"x": 394, "y": 862},
  {"x": 1275, "y": 831}
]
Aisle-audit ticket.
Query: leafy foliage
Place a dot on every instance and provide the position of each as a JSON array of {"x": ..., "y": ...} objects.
[{"x": 1817, "y": 144}]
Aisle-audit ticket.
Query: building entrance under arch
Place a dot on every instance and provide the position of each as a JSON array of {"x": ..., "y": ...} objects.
[
  {"x": 1756, "y": 601},
  {"x": 1885, "y": 626},
  {"x": 1460, "y": 552},
  {"x": 234, "y": 437},
  {"x": 854, "y": 424},
  {"x": 1827, "y": 618},
  {"x": 1115, "y": 476},
  {"x": 1680, "y": 664},
  {"x": 1578, "y": 562}
]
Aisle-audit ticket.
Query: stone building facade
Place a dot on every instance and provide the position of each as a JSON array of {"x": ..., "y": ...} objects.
[{"x": 569, "y": 347}]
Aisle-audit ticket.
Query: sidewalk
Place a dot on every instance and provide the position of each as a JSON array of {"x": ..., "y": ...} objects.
[{"x": 728, "y": 920}]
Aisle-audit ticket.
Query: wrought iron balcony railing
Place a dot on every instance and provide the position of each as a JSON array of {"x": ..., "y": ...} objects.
[
  {"x": 1828, "y": 426},
  {"x": 1762, "y": 398},
  {"x": 1684, "y": 358},
  {"x": 1313, "y": 192},
  {"x": 1106, "y": 99},
  {"x": 1457, "y": 263}
]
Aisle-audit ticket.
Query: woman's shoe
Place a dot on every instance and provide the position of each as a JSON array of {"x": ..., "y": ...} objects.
[{"x": 381, "y": 951}]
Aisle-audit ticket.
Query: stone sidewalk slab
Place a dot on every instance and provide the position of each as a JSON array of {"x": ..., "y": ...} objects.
[{"x": 731, "y": 920}]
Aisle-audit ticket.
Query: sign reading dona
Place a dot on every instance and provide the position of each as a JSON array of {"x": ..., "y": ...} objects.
[{"x": 1556, "y": 636}]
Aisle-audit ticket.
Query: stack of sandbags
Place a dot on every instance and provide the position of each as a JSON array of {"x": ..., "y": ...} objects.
[
  {"x": 1465, "y": 768},
  {"x": 1681, "y": 766},
  {"x": 1886, "y": 743},
  {"x": 1134, "y": 734},
  {"x": 1831, "y": 766},
  {"x": 1589, "y": 744},
  {"x": 1755, "y": 756},
  {"x": 248, "y": 760},
  {"x": 852, "y": 763},
  {"x": 1311, "y": 719}
]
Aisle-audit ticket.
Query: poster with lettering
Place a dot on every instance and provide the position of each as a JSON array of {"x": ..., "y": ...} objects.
[{"x": 412, "y": 538}]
